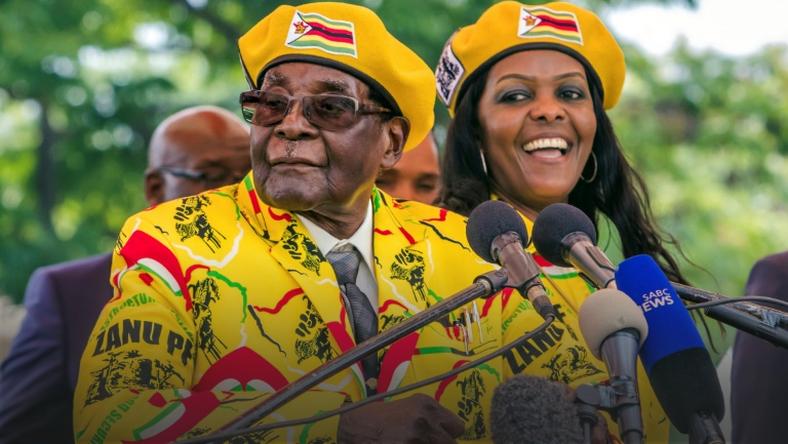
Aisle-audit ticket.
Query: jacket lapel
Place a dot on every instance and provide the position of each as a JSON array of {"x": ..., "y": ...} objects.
[
  {"x": 401, "y": 264},
  {"x": 399, "y": 259},
  {"x": 294, "y": 249}
]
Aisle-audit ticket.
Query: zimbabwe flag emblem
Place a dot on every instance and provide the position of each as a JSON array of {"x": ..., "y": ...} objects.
[
  {"x": 312, "y": 30},
  {"x": 541, "y": 22}
]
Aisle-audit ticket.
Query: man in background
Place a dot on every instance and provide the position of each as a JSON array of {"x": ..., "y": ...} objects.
[
  {"x": 416, "y": 176},
  {"x": 758, "y": 385},
  {"x": 194, "y": 150}
]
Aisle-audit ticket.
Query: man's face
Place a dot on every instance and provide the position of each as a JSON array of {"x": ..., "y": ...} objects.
[
  {"x": 197, "y": 152},
  {"x": 416, "y": 176},
  {"x": 299, "y": 166}
]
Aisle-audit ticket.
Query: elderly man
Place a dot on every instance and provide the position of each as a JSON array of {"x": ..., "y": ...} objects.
[
  {"x": 416, "y": 176},
  {"x": 191, "y": 151},
  {"x": 223, "y": 298}
]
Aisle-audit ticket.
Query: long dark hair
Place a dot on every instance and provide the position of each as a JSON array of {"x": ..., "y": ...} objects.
[{"x": 617, "y": 191}]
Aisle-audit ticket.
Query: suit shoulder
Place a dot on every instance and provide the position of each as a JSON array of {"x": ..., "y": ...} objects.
[
  {"x": 774, "y": 266},
  {"x": 778, "y": 261},
  {"x": 769, "y": 276},
  {"x": 85, "y": 266},
  {"x": 425, "y": 212},
  {"x": 164, "y": 217},
  {"x": 84, "y": 278},
  {"x": 437, "y": 223},
  {"x": 211, "y": 200}
]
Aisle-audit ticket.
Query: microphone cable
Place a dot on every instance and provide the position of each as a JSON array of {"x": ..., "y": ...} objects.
[{"x": 348, "y": 407}]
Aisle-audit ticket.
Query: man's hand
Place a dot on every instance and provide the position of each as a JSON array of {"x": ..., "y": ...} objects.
[
  {"x": 416, "y": 419},
  {"x": 599, "y": 432}
]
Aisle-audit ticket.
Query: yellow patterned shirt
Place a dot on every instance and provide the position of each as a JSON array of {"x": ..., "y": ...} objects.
[{"x": 220, "y": 300}]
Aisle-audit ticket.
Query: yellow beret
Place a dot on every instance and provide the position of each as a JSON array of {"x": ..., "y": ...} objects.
[
  {"x": 350, "y": 38},
  {"x": 508, "y": 27}
]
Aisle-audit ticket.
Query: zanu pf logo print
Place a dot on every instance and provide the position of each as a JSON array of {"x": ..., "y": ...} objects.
[{"x": 409, "y": 267}]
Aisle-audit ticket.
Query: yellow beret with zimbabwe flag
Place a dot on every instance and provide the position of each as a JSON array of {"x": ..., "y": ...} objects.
[
  {"x": 350, "y": 38},
  {"x": 509, "y": 26}
]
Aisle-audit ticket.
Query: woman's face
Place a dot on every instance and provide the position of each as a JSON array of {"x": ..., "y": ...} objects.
[{"x": 538, "y": 124}]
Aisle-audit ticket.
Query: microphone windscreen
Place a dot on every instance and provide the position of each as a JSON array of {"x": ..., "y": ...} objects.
[
  {"x": 605, "y": 312},
  {"x": 489, "y": 220},
  {"x": 527, "y": 409},
  {"x": 553, "y": 224},
  {"x": 678, "y": 365}
]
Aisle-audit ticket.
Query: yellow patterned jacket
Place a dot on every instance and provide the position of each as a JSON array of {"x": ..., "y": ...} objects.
[{"x": 220, "y": 300}]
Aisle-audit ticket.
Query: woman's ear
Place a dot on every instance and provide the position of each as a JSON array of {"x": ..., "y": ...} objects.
[{"x": 397, "y": 129}]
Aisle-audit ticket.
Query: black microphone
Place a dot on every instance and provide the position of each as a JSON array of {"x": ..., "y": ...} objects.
[
  {"x": 496, "y": 233},
  {"x": 527, "y": 409},
  {"x": 614, "y": 329},
  {"x": 565, "y": 236}
]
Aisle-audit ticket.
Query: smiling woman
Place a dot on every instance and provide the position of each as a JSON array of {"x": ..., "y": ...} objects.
[
  {"x": 528, "y": 86},
  {"x": 530, "y": 125}
]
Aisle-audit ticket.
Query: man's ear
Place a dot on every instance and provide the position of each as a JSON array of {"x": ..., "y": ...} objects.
[
  {"x": 398, "y": 129},
  {"x": 154, "y": 187}
]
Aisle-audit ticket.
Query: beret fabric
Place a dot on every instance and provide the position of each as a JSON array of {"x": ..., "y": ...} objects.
[
  {"x": 508, "y": 27},
  {"x": 350, "y": 38}
]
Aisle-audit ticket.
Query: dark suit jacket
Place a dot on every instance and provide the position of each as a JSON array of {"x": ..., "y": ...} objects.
[
  {"x": 38, "y": 377},
  {"x": 759, "y": 375}
]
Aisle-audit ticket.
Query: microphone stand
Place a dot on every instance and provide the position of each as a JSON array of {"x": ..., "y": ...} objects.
[
  {"x": 705, "y": 429},
  {"x": 483, "y": 286},
  {"x": 588, "y": 401},
  {"x": 763, "y": 322},
  {"x": 621, "y": 392}
]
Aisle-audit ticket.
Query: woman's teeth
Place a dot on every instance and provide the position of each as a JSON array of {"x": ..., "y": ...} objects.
[{"x": 555, "y": 144}]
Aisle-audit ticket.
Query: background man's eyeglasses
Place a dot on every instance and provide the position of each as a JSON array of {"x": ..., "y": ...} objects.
[
  {"x": 329, "y": 112},
  {"x": 212, "y": 177}
]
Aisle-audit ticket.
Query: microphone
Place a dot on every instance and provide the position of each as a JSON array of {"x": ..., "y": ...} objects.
[
  {"x": 496, "y": 233},
  {"x": 565, "y": 236},
  {"x": 676, "y": 361},
  {"x": 614, "y": 329},
  {"x": 531, "y": 410}
]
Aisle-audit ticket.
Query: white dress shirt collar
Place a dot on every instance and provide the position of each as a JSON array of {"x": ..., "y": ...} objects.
[{"x": 361, "y": 239}]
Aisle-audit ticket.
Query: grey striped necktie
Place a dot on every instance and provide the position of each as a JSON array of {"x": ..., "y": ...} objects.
[{"x": 346, "y": 259}]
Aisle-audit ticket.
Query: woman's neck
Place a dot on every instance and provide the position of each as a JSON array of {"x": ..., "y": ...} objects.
[{"x": 527, "y": 211}]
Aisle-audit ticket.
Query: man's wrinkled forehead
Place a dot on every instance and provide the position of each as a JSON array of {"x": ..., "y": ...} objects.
[{"x": 328, "y": 81}]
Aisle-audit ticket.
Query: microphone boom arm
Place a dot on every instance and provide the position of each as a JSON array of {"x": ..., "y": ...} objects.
[
  {"x": 483, "y": 286},
  {"x": 763, "y": 322}
]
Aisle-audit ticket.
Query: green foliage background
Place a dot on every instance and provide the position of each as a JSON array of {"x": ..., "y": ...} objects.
[{"x": 83, "y": 84}]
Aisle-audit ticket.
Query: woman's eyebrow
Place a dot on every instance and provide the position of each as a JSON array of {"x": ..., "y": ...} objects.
[{"x": 518, "y": 76}]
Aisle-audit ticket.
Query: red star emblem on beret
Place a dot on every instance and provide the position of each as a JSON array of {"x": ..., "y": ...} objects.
[{"x": 300, "y": 27}]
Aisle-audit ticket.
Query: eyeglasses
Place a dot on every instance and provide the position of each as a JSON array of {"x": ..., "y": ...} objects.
[
  {"x": 211, "y": 177},
  {"x": 329, "y": 112}
]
